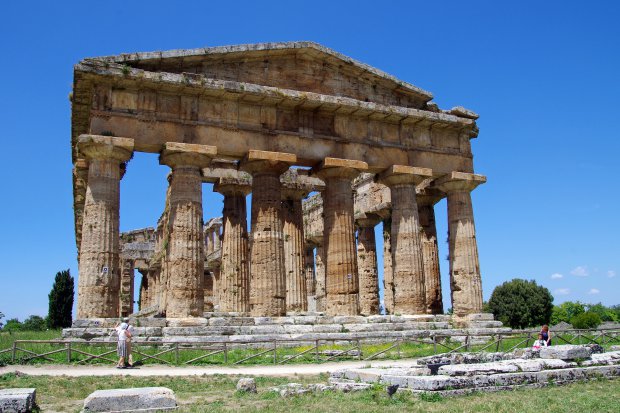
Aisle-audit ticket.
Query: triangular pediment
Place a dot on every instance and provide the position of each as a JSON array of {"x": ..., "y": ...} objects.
[{"x": 302, "y": 66}]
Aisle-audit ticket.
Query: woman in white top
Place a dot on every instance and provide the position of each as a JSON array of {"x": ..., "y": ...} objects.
[{"x": 123, "y": 336}]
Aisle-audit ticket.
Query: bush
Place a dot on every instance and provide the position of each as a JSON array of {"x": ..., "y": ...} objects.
[
  {"x": 520, "y": 303},
  {"x": 34, "y": 323},
  {"x": 566, "y": 311},
  {"x": 586, "y": 320},
  {"x": 12, "y": 324}
]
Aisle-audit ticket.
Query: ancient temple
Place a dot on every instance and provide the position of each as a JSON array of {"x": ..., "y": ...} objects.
[{"x": 327, "y": 146}]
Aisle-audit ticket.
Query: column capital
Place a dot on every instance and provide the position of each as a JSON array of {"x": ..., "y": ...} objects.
[
  {"x": 339, "y": 168},
  {"x": 404, "y": 174},
  {"x": 459, "y": 181},
  {"x": 105, "y": 147},
  {"x": 366, "y": 220},
  {"x": 427, "y": 194},
  {"x": 261, "y": 161},
  {"x": 297, "y": 184},
  {"x": 176, "y": 154},
  {"x": 240, "y": 185}
]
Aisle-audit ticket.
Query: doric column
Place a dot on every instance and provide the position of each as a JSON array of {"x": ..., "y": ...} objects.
[
  {"x": 430, "y": 253},
  {"x": 388, "y": 270},
  {"x": 367, "y": 265},
  {"x": 407, "y": 262},
  {"x": 342, "y": 283},
  {"x": 99, "y": 266},
  {"x": 217, "y": 238},
  {"x": 126, "y": 291},
  {"x": 208, "y": 291},
  {"x": 296, "y": 292},
  {"x": 208, "y": 234},
  {"x": 235, "y": 276},
  {"x": 144, "y": 299},
  {"x": 186, "y": 246},
  {"x": 268, "y": 274},
  {"x": 465, "y": 280},
  {"x": 309, "y": 275},
  {"x": 320, "y": 278}
]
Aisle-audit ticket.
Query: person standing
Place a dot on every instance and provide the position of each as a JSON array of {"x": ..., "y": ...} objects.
[
  {"x": 129, "y": 353},
  {"x": 546, "y": 335},
  {"x": 121, "y": 347}
]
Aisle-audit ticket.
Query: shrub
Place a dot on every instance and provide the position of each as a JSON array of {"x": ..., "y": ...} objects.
[
  {"x": 520, "y": 303},
  {"x": 34, "y": 323},
  {"x": 586, "y": 320}
]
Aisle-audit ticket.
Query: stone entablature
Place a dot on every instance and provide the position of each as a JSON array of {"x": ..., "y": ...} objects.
[{"x": 246, "y": 118}]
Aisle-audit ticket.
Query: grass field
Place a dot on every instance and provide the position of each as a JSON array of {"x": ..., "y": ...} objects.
[
  {"x": 199, "y": 394},
  {"x": 304, "y": 354}
]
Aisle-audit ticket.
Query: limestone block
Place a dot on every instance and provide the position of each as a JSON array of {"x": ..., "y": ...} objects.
[
  {"x": 246, "y": 385},
  {"x": 350, "y": 387},
  {"x": 17, "y": 400},
  {"x": 231, "y": 321},
  {"x": 187, "y": 322},
  {"x": 144, "y": 399},
  {"x": 557, "y": 364},
  {"x": 349, "y": 320},
  {"x": 614, "y": 348},
  {"x": 304, "y": 319},
  {"x": 364, "y": 375},
  {"x": 378, "y": 319},
  {"x": 526, "y": 365},
  {"x": 565, "y": 352},
  {"x": 476, "y": 369}
]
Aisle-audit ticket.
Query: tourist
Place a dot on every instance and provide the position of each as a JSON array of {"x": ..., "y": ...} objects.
[
  {"x": 539, "y": 343},
  {"x": 121, "y": 348},
  {"x": 130, "y": 330},
  {"x": 546, "y": 335}
]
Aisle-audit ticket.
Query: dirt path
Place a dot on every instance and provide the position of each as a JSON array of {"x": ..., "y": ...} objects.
[{"x": 263, "y": 370}]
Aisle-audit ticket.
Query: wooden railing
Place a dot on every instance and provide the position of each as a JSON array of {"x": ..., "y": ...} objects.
[{"x": 312, "y": 351}]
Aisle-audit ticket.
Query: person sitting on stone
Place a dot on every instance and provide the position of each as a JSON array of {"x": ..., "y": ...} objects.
[{"x": 539, "y": 343}]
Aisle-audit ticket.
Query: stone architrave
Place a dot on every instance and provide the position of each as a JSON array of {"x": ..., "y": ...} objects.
[
  {"x": 367, "y": 266},
  {"x": 99, "y": 264},
  {"x": 127, "y": 287},
  {"x": 430, "y": 251},
  {"x": 342, "y": 282},
  {"x": 319, "y": 284},
  {"x": 268, "y": 274},
  {"x": 388, "y": 270},
  {"x": 465, "y": 280},
  {"x": 407, "y": 260},
  {"x": 185, "y": 259},
  {"x": 235, "y": 277}
]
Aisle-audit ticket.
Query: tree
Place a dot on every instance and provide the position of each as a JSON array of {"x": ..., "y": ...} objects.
[
  {"x": 61, "y": 300},
  {"x": 605, "y": 313},
  {"x": 586, "y": 320},
  {"x": 1, "y": 317},
  {"x": 521, "y": 303},
  {"x": 34, "y": 323},
  {"x": 566, "y": 311},
  {"x": 12, "y": 324}
]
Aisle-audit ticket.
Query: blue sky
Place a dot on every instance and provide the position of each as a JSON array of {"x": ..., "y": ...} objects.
[{"x": 544, "y": 76}]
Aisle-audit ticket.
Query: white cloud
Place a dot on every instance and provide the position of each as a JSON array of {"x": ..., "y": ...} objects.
[
  {"x": 594, "y": 291},
  {"x": 580, "y": 271},
  {"x": 556, "y": 276},
  {"x": 562, "y": 291},
  {"x": 611, "y": 273}
]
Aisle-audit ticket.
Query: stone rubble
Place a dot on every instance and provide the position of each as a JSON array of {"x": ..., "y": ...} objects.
[{"x": 246, "y": 385}]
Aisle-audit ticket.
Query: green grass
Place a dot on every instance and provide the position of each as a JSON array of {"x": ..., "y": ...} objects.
[
  {"x": 186, "y": 354},
  {"x": 217, "y": 393}
]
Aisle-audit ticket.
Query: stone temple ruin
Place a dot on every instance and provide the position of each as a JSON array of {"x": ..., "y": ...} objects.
[{"x": 280, "y": 121}]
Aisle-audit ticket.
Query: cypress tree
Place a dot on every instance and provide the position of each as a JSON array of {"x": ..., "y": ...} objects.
[{"x": 61, "y": 301}]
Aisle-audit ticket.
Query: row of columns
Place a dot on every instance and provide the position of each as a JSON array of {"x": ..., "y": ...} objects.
[{"x": 269, "y": 282}]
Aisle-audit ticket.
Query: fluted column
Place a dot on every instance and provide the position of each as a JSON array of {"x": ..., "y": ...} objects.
[
  {"x": 268, "y": 274},
  {"x": 320, "y": 278},
  {"x": 208, "y": 234},
  {"x": 143, "y": 299},
  {"x": 465, "y": 280},
  {"x": 430, "y": 254},
  {"x": 388, "y": 270},
  {"x": 296, "y": 292},
  {"x": 367, "y": 264},
  {"x": 186, "y": 245},
  {"x": 309, "y": 275},
  {"x": 409, "y": 293},
  {"x": 127, "y": 288},
  {"x": 208, "y": 291},
  {"x": 342, "y": 282},
  {"x": 99, "y": 265},
  {"x": 235, "y": 277}
]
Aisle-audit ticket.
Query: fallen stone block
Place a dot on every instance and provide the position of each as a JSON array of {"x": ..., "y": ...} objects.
[
  {"x": 565, "y": 352},
  {"x": 17, "y": 400},
  {"x": 347, "y": 387},
  {"x": 246, "y": 385},
  {"x": 144, "y": 399},
  {"x": 477, "y": 369}
]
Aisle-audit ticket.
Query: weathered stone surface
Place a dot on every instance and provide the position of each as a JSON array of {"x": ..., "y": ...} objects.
[
  {"x": 21, "y": 400},
  {"x": 294, "y": 246},
  {"x": 430, "y": 254},
  {"x": 144, "y": 399},
  {"x": 477, "y": 369},
  {"x": 368, "y": 270},
  {"x": 246, "y": 385},
  {"x": 565, "y": 352}
]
